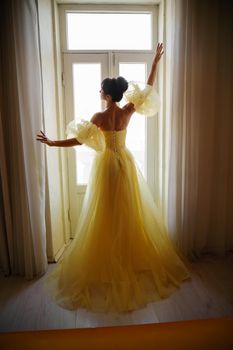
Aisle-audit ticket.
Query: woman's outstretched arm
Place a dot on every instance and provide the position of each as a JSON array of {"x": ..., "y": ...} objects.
[
  {"x": 158, "y": 55},
  {"x": 151, "y": 78},
  {"x": 57, "y": 143}
]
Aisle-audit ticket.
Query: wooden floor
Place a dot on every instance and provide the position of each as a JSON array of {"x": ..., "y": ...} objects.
[{"x": 209, "y": 294}]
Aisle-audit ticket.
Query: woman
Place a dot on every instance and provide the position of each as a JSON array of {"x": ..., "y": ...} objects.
[{"x": 121, "y": 257}]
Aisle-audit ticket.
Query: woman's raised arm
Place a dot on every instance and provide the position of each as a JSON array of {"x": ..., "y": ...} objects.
[{"x": 158, "y": 55}]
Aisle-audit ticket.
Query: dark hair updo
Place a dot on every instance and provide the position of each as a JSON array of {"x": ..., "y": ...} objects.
[{"x": 114, "y": 87}]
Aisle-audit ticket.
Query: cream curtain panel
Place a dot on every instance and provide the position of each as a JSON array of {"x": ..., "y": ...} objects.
[
  {"x": 22, "y": 185},
  {"x": 200, "y": 188}
]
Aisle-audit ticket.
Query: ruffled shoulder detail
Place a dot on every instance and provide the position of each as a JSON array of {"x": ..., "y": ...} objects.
[
  {"x": 144, "y": 97},
  {"x": 86, "y": 133}
]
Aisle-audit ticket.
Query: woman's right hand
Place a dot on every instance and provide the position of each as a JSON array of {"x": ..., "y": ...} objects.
[{"x": 44, "y": 139}]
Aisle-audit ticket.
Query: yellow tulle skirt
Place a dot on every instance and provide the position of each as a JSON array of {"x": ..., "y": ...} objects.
[{"x": 121, "y": 257}]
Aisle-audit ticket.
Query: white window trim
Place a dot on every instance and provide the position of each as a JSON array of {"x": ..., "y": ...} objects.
[{"x": 104, "y": 8}]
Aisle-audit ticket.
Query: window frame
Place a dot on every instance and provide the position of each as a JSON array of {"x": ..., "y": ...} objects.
[
  {"x": 155, "y": 9},
  {"x": 95, "y": 8}
]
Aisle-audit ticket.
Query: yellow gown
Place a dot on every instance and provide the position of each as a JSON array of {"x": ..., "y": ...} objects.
[{"x": 121, "y": 257}]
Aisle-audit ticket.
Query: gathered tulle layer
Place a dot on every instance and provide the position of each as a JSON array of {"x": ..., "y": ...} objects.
[
  {"x": 86, "y": 132},
  {"x": 121, "y": 257},
  {"x": 145, "y": 98}
]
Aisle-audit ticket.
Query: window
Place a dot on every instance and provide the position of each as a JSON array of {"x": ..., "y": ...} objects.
[
  {"x": 92, "y": 53},
  {"x": 101, "y": 31}
]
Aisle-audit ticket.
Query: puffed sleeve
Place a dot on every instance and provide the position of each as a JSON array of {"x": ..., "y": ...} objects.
[
  {"x": 86, "y": 133},
  {"x": 144, "y": 97}
]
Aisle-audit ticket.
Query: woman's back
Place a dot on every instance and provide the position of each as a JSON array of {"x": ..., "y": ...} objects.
[{"x": 114, "y": 118}]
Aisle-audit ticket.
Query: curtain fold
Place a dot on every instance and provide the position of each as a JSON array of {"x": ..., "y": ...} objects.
[
  {"x": 200, "y": 190},
  {"x": 22, "y": 195}
]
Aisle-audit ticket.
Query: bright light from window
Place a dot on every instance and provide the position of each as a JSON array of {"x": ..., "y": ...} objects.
[
  {"x": 112, "y": 31},
  {"x": 86, "y": 86}
]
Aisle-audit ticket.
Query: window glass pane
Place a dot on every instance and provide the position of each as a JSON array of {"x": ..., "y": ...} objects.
[
  {"x": 86, "y": 86},
  {"x": 136, "y": 131},
  {"x": 109, "y": 31},
  {"x": 84, "y": 92}
]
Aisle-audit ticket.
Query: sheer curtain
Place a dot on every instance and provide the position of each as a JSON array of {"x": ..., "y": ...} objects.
[
  {"x": 200, "y": 189},
  {"x": 22, "y": 185}
]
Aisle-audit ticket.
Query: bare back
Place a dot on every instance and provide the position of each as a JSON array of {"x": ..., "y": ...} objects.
[{"x": 114, "y": 118}]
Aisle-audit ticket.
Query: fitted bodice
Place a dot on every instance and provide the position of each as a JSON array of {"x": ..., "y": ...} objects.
[
  {"x": 145, "y": 100},
  {"x": 115, "y": 140}
]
